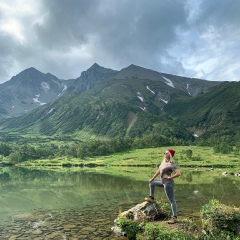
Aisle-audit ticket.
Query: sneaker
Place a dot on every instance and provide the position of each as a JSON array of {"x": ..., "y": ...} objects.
[
  {"x": 172, "y": 220},
  {"x": 149, "y": 199}
]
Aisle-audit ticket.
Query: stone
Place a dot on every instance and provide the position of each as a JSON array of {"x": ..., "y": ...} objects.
[
  {"x": 117, "y": 230},
  {"x": 89, "y": 229},
  {"x": 31, "y": 216},
  {"x": 69, "y": 227},
  {"x": 13, "y": 238},
  {"x": 56, "y": 235},
  {"x": 145, "y": 210},
  {"x": 37, "y": 232}
]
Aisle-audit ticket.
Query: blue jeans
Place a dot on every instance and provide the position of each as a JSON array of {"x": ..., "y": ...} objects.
[{"x": 169, "y": 190}]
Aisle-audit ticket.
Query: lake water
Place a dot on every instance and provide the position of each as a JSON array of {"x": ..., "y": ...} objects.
[{"x": 75, "y": 204}]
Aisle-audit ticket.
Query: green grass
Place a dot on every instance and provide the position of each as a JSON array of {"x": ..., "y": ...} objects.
[
  {"x": 141, "y": 164},
  {"x": 154, "y": 156}
]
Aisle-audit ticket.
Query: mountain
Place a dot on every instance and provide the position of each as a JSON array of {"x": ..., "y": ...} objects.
[
  {"x": 130, "y": 102},
  {"x": 90, "y": 78},
  {"x": 29, "y": 90},
  {"x": 191, "y": 86},
  {"x": 214, "y": 115},
  {"x": 32, "y": 88}
]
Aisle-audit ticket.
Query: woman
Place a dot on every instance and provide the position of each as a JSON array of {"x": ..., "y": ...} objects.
[{"x": 165, "y": 170}]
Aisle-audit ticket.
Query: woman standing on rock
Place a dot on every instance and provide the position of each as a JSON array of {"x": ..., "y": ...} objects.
[{"x": 166, "y": 168}]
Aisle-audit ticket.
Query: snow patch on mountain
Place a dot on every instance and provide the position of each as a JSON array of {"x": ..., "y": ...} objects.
[
  {"x": 143, "y": 108},
  {"x": 164, "y": 100},
  {"x": 64, "y": 88},
  {"x": 151, "y": 90},
  {"x": 168, "y": 82},
  {"x": 45, "y": 86},
  {"x": 50, "y": 110},
  {"x": 35, "y": 100},
  {"x": 140, "y": 97},
  {"x": 188, "y": 88}
]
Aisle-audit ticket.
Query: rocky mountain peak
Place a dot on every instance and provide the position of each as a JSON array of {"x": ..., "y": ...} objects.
[
  {"x": 28, "y": 75},
  {"x": 91, "y": 77},
  {"x": 94, "y": 66},
  {"x": 30, "y": 71}
]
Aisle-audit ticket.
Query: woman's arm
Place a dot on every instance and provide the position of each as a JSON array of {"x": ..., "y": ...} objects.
[
  {"x": 154, "y": 176},
  {"x": 177, "y": 174}
]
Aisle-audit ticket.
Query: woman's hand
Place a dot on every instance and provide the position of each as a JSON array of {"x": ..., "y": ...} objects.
[
  {"x": 166, "y": 176},
  {"x": 150, "y": 180},
  {"x": 154, "y": 176}
]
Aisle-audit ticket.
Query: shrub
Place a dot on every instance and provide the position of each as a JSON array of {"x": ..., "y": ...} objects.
[
  {"x": 153, "y": 232},
  {"x": 130, "y": 227},
  {"x": 218, "y": 218},
  {"x": 197, "y": 158},
  {"x": 165, "y": 208},
  {"x": 189, "y": 153}
]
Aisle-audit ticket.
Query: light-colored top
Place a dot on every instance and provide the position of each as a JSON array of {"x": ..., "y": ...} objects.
[{"x": 166, "y": 168}]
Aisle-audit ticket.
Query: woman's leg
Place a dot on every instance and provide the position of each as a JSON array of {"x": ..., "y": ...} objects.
[
  {"x": 153, "y": 184},
  {"x": 169, "y": 190}
]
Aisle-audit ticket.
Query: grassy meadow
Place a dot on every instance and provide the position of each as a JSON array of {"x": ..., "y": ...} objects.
[{"x": 140, "y": 164}]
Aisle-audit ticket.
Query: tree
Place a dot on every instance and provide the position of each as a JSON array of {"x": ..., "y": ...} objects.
[
  {"x": 5, "y": 149},
  {"x": 189, "y": 153}
]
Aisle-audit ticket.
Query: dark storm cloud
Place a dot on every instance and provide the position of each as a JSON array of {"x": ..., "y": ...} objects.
[
  {"x": 126, "y": 31},
  {"x": 220, "y": 13},
  {"x": 65, "y": 37},
  {"x": 137, "y": 23}
]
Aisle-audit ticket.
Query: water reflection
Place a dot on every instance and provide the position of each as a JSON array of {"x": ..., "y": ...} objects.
[{"x": 80, "y": 203}]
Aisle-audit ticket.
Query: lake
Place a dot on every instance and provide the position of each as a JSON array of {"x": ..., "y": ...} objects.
[{"x": 75, "y": 203}]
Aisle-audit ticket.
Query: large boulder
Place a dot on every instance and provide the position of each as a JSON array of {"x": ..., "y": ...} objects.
[{"x": 145, "y": 210}]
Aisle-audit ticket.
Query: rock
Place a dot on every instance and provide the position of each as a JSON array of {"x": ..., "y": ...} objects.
[
  {"x": 31, "y": 216},
  {"x": 69, "y": 227},
  {"x": 37, "y": 232},
  {"x": 145, "y": 210},
  {"x": 89, "y": 229},
  {"x": 13, "y": 238},
  {"x": 56, "y": 235},
  {"x": 117, "y": 230}
]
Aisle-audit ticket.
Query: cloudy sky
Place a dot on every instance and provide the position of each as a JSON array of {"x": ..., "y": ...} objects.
[{"x": 192, "y": 38}]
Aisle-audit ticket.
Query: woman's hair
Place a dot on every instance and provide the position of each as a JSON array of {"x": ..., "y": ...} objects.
[{"x": 171, "y": 158}]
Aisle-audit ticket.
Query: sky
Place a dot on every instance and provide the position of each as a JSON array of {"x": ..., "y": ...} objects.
[{"x": 191, "y": 38}]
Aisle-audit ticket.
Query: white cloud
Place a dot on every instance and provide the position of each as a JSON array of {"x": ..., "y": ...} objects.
[{"x": 193, "y": 38}]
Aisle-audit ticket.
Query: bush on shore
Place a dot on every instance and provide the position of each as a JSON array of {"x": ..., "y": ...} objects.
[{"x": 221, "y": 220}]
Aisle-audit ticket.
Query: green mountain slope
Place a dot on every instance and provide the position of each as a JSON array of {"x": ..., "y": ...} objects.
[
  {"x": 115, "y": 107},
  {"x": 216, "y": 113},
  {"x": 137, "y": 101}
]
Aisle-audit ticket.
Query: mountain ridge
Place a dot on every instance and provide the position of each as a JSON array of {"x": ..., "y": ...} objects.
[
  {"x": 131, "y": 102},
  {"x": 31, "y": 88}
]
